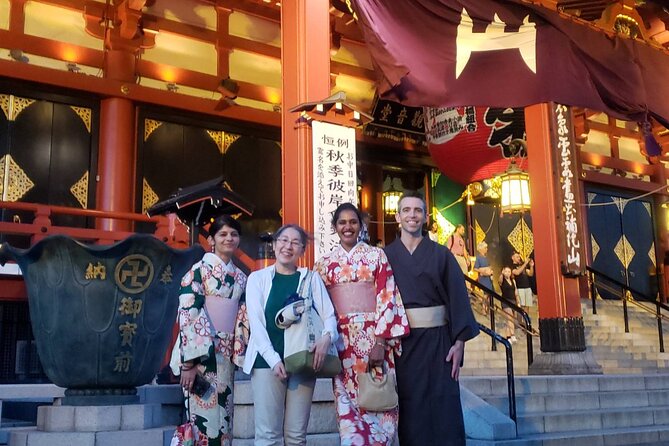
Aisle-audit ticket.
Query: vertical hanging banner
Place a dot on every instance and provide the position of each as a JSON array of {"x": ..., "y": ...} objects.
[
  {"x": 335, "y": 179},
  {"x": 570, "y": 228}
]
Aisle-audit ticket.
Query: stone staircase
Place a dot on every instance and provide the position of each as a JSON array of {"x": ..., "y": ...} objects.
[
  {"x": 616, "y": 351},
  {"x": 587, "y": 410}
]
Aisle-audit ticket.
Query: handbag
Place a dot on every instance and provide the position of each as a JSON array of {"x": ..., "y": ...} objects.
[
  {"x": 377, "y": 395},
  {"x": 186, "y": 434},
  {"x": 300, "y": 334}
]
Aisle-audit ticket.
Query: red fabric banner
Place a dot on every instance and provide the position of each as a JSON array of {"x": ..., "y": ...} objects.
[{"x": 508, "y": 54}]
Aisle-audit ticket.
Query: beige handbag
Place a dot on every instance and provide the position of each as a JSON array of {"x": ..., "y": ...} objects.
[{"x": 377, "y": 395}]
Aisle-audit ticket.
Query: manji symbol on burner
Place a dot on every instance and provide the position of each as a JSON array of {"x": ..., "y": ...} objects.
[{"x": 134, "y": 273}]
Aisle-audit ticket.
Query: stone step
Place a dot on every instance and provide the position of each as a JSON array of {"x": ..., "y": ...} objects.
[
  {"x": 638, "y": 436},
  {"x": 579, "y": 420},
  {"x": 586, "y": 401},
  {"x": 496, "y": 385},
  {"x": 330, "y": 439}
]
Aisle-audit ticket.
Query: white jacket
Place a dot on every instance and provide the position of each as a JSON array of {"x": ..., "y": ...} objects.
[{"x": 258, "y": 287}]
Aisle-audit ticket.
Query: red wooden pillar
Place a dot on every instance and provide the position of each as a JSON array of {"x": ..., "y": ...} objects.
[
  {"x": 116, "y": 161},
  {"x": 560, "y": 315},
  {"x": 305, "y": 65}
]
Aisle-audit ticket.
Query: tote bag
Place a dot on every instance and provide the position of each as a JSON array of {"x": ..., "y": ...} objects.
[{"x": 301, "y": 335}]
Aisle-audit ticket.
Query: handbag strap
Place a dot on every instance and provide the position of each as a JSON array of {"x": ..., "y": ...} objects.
[{"x": 308, "y": 304}]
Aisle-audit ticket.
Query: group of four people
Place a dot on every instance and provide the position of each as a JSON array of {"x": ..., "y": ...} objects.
[{"x": 404, "y": 310}]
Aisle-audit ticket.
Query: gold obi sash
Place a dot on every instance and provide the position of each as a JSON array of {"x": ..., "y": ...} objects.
[
  {"x": 427, "y": 317},
  {"x": 222, "y": 313},
  {"x": 353, "y": 297}
]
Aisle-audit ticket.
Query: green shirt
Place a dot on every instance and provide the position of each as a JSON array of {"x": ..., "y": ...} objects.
[{"x": 282, "y": 286}]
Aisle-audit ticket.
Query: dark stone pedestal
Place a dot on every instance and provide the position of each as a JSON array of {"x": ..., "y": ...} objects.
[{"x": 563, "y": 350}]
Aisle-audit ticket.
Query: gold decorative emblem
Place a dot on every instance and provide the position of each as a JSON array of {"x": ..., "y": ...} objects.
[
  {"x": 17, "y": 182},
  {"x": 624, "y": 251},
  {"x": 150, "y": 126},
  {"x": 80, "y": 190},
  {"x": 478, "y": 231},
  {"x": 4, "y": 104},
  {"x": 166, "y": 277},
  {"x": 595, "y": 247},
  {"x": 85, "y": 115},
  {"x": 651, "y": 254},
  {"x": 223, "y": 140},
  {"x": 627, "y": 26},
  {"x": 591, "y": 197},
  {"x": 134, "y": 273},
  {"x": 620, "y": 203},
  {"x": 217, "y": 137},
  {"x": 521, "y": 239},
  {"x": 149, "y": 197},
  {"x": 228, "y": 140},
  {"x": 12, "y": 106}
]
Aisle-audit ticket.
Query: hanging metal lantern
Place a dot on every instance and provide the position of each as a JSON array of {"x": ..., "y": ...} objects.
[
  {"x": 391, "y": 202},
  {"x": 515, "y": 190}
]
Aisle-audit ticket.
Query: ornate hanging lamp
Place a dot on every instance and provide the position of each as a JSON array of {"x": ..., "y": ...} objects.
[{"x": 514, "y": 183}]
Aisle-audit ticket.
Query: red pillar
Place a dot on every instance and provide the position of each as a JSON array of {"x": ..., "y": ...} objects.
[
  {"x": 305, "y": 65},
  {"x": 116, "y": 161},
  {"x": 560, "y": 315}
]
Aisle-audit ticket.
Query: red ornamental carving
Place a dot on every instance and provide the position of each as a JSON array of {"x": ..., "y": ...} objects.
[{"x": 469, "y": 143}]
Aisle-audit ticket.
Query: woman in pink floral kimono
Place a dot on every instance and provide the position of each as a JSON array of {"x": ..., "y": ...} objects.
[
  {"x": 213, "y": 328},
  {"x": 370, "y": 318}
]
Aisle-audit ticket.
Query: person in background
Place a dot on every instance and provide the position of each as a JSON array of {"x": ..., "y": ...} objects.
[
  {"x": 364, "y": 228},
  {"x": 509, "y": 293},
  {"x": 441, "y": 321},
  {"x": 433, "y": 233},
  {"x": 456, "y": 243},
  {"x": 484, "y": 270},
  {"x": 371, "y": 321},
  {"x": 282, "y": 402},
  {"x": 522, "y": 270},
  {"x": 212, "y": 327}
]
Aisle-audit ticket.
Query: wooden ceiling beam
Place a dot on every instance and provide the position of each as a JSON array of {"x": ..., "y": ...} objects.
[
  {"x": 138, "y": 93},
  {"x": 52, "y": 49}
]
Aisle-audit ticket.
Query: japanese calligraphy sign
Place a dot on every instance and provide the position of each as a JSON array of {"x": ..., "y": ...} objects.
[
  {"x": 397, "y": 122},
  {"x": 570, "y": 229},
  {"x": 335, "y": 179}
]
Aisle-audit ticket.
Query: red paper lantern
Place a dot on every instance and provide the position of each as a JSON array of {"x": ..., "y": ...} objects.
[{"x": 469, "y": 143}]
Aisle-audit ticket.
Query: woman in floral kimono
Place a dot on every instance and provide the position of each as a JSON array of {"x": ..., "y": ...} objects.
[
  {"x": 213, "y": 326},
  {"x": 370, "y": 318}
]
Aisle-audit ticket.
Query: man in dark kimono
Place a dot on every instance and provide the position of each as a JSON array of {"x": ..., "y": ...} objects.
[{"x": 441, "y": 320}]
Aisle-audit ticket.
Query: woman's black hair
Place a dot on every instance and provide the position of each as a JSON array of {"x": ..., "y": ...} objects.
[
  {"x": 224, "y": 220},
  {"x": 304, "y": 237},
  {"x": 345, "y": 207}
]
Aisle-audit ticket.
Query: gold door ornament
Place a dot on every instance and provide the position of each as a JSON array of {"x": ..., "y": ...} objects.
[
  {"x": 595, "y": 247},
  {"x": 149, "y": 197},
  {"x": 12, "y": 106},
  {"x": 150, "y": 126},
  {"x": 80, "y": 190},
  {"x": 521, "y": 239},
  {"x": 624, "y": 252},
  {"x": 85, "y": 114},
  {"x": 14, "y": 183},
  {"x": 222, "y": 139}
]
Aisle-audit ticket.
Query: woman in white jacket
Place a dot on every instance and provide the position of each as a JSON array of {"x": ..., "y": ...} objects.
[{"x": 282, "y": 402}]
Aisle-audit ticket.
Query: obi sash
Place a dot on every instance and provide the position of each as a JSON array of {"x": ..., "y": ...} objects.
[
  {"x": 222, "y": 313},
  {"x": 353, "y": 297},
  {"x": 427, "y": 317}
]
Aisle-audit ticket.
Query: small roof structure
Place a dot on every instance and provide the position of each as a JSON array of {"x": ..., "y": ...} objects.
[{"x": 196, "y": 205}]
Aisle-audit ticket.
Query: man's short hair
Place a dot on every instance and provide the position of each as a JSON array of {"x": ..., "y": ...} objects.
[
  {"x": 412, "y": 194},
  {"x": 481, "y": 245}
]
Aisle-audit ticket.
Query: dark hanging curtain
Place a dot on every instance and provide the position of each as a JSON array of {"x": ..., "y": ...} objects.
[{"x": 508, "y": 54}]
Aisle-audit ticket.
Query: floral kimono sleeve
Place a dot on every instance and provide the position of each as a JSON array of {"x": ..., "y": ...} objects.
[
  {"x": 242, "y": 334},
  {"x": 391, "y": 319},
  {"x": 194, "y": 324}
]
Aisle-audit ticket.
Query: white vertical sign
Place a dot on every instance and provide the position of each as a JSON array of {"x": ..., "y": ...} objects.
[{"x": 335, "y": 179}]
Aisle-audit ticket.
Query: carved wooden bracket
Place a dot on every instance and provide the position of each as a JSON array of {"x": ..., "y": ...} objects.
[{"x": 121, "y": 25}]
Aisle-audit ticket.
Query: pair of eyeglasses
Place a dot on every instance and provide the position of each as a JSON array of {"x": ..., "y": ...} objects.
[{"x": 285, "y": 241}]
